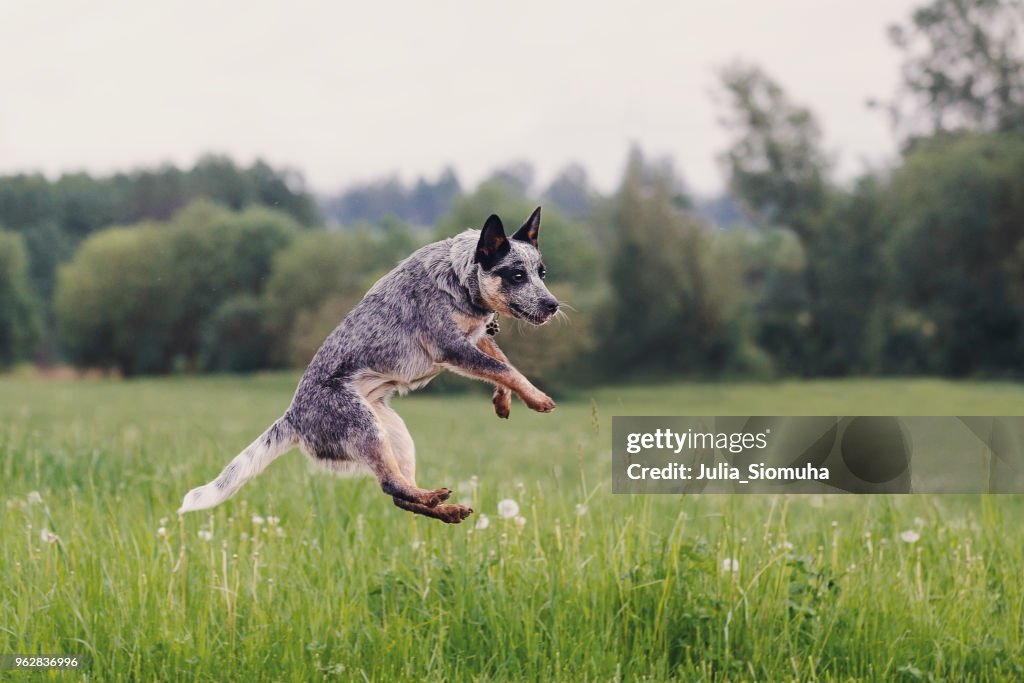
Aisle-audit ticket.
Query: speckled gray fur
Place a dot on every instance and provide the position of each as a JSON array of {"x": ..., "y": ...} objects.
[{"x": 428, "y": 314}]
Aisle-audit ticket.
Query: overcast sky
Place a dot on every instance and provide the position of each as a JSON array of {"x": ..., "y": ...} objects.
[{"x": 347, "y": 91}]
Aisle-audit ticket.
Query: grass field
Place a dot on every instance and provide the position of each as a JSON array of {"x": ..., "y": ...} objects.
[{"x": 303, "y": 576}]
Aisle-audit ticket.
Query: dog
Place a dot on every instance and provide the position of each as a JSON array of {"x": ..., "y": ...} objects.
[{"x": 431, "y": 313}]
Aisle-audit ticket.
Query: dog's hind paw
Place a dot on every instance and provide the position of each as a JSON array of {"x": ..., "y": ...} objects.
[
  {"x": 452, "y": 514},
  {"x": 436, "y": 497}
]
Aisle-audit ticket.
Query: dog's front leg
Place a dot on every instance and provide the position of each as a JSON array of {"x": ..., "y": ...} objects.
[
  {"x": 502, "y": 397},
  {"x": 465, "y": 359}
]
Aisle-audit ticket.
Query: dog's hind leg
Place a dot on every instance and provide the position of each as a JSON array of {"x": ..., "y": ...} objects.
[
  {"x": 402, "y": 446},
  {"x": 404, "y": 450}
]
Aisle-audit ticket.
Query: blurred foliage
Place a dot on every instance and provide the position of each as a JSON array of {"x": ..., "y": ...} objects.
[
  {"x": 140, "y": 297},
  {"x": 963, "y": 67},
  {"x": 957, "y": 211},
  {"x": 775, "y": 163},
  {"x": 915, "y": 269},
  {"x": 420, "y": 204},
  {"x": 19, "y": 321}
]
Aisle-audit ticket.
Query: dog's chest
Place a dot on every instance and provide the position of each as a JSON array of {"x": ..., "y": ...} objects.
[{"x": 472, "y": 326}]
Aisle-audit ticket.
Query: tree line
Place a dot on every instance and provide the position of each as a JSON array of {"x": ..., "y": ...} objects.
[{"x": 913, "y": 269}]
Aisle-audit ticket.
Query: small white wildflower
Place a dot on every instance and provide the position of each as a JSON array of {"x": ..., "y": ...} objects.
[
  {"x": 205, "y": 535},
  {"x": 34, "y": 498},
  {"x": 786, "y": 545},
  {"x": 256, "y": 519},
  {"x": 520, "y": 522},
  {"x": 581, "y": 509},
  {"x": 482, "y": 522},
  {"x": 417, "y": 544},
  {"x": 279, "y": 531},
  {"x": 910, "y": 536},
  {"x": 730, "y": 564},
  {"x": 47, "y": 536},
  {"x": 163, "y": 521},
  {"x": 508, "y": 508},
  {"x": 162, "y": 532},
  {"x": 272, "y": 521}
]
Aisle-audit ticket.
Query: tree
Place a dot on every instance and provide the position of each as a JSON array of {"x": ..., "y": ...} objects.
[
  {"x": 963, "y": 67},
  {"x": 148, "y": 297},
  {"x": 957, "y": 250},
  {"x": 117, "y": 301},
  {"x": 673, "y": 306},
  {"x": 19, "y": 317},
  {"x": 775, "y": 162}
]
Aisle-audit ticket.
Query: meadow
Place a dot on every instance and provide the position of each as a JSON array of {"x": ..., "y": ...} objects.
[{"x": 304, "y": 576}]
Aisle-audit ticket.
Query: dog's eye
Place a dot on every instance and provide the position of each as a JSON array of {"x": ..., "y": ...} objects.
[
  {"x": 542, "y": 272},
  {"x": 518, "y": 276}
]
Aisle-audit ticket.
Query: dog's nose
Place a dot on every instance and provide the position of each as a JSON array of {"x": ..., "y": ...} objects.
[{"x": 550, "y": 306}]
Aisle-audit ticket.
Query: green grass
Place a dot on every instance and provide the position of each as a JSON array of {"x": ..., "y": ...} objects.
[{"x": 352, "y": 588}]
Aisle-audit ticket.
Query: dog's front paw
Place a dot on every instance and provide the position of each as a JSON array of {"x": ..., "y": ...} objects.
[
  {"x": 540, "y": 402},
  {"x": 502, "y": 401},
  {"x": 453, "y": 514}
]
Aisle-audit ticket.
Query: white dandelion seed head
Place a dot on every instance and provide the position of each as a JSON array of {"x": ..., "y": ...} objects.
[
  {"x": 34, "y": 498},
  {"x": 162, "y": 532},
  {"x": 910, "y": 536},
  {"x": 205, "y": 535},
  {"x": 786, "y": 545},
  {"x": 508, "y": 508},
  {"x": 257, "y": 520},
  {"x": 520, "y": 522},
  {"x": 581, "y": 509},
  {"x": 730, "y": 564},
  {"x": 482, "y": 522}
]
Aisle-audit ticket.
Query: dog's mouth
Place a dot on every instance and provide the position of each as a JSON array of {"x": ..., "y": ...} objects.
[{"x": 532, "y": 318}]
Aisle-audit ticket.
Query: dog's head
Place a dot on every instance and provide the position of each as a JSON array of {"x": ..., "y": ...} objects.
[{"x": 511, "y": 271}]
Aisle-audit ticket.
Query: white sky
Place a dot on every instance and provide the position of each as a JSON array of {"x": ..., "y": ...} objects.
[{"x": 347, "y": 91}]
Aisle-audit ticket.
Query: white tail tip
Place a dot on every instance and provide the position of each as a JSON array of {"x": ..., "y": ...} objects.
[{"x": 200, "y": 498}]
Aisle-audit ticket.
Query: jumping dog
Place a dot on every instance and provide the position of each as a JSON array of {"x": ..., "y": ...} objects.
[{"x": 431, "y": 313}]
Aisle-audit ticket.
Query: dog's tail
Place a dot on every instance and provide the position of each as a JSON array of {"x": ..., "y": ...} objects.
[{"x": 279, "y": 438}]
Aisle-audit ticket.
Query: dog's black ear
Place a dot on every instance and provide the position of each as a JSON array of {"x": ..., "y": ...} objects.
[
  {"x": 493, "y": 244},
  {"x": 530, "y": 229}
]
